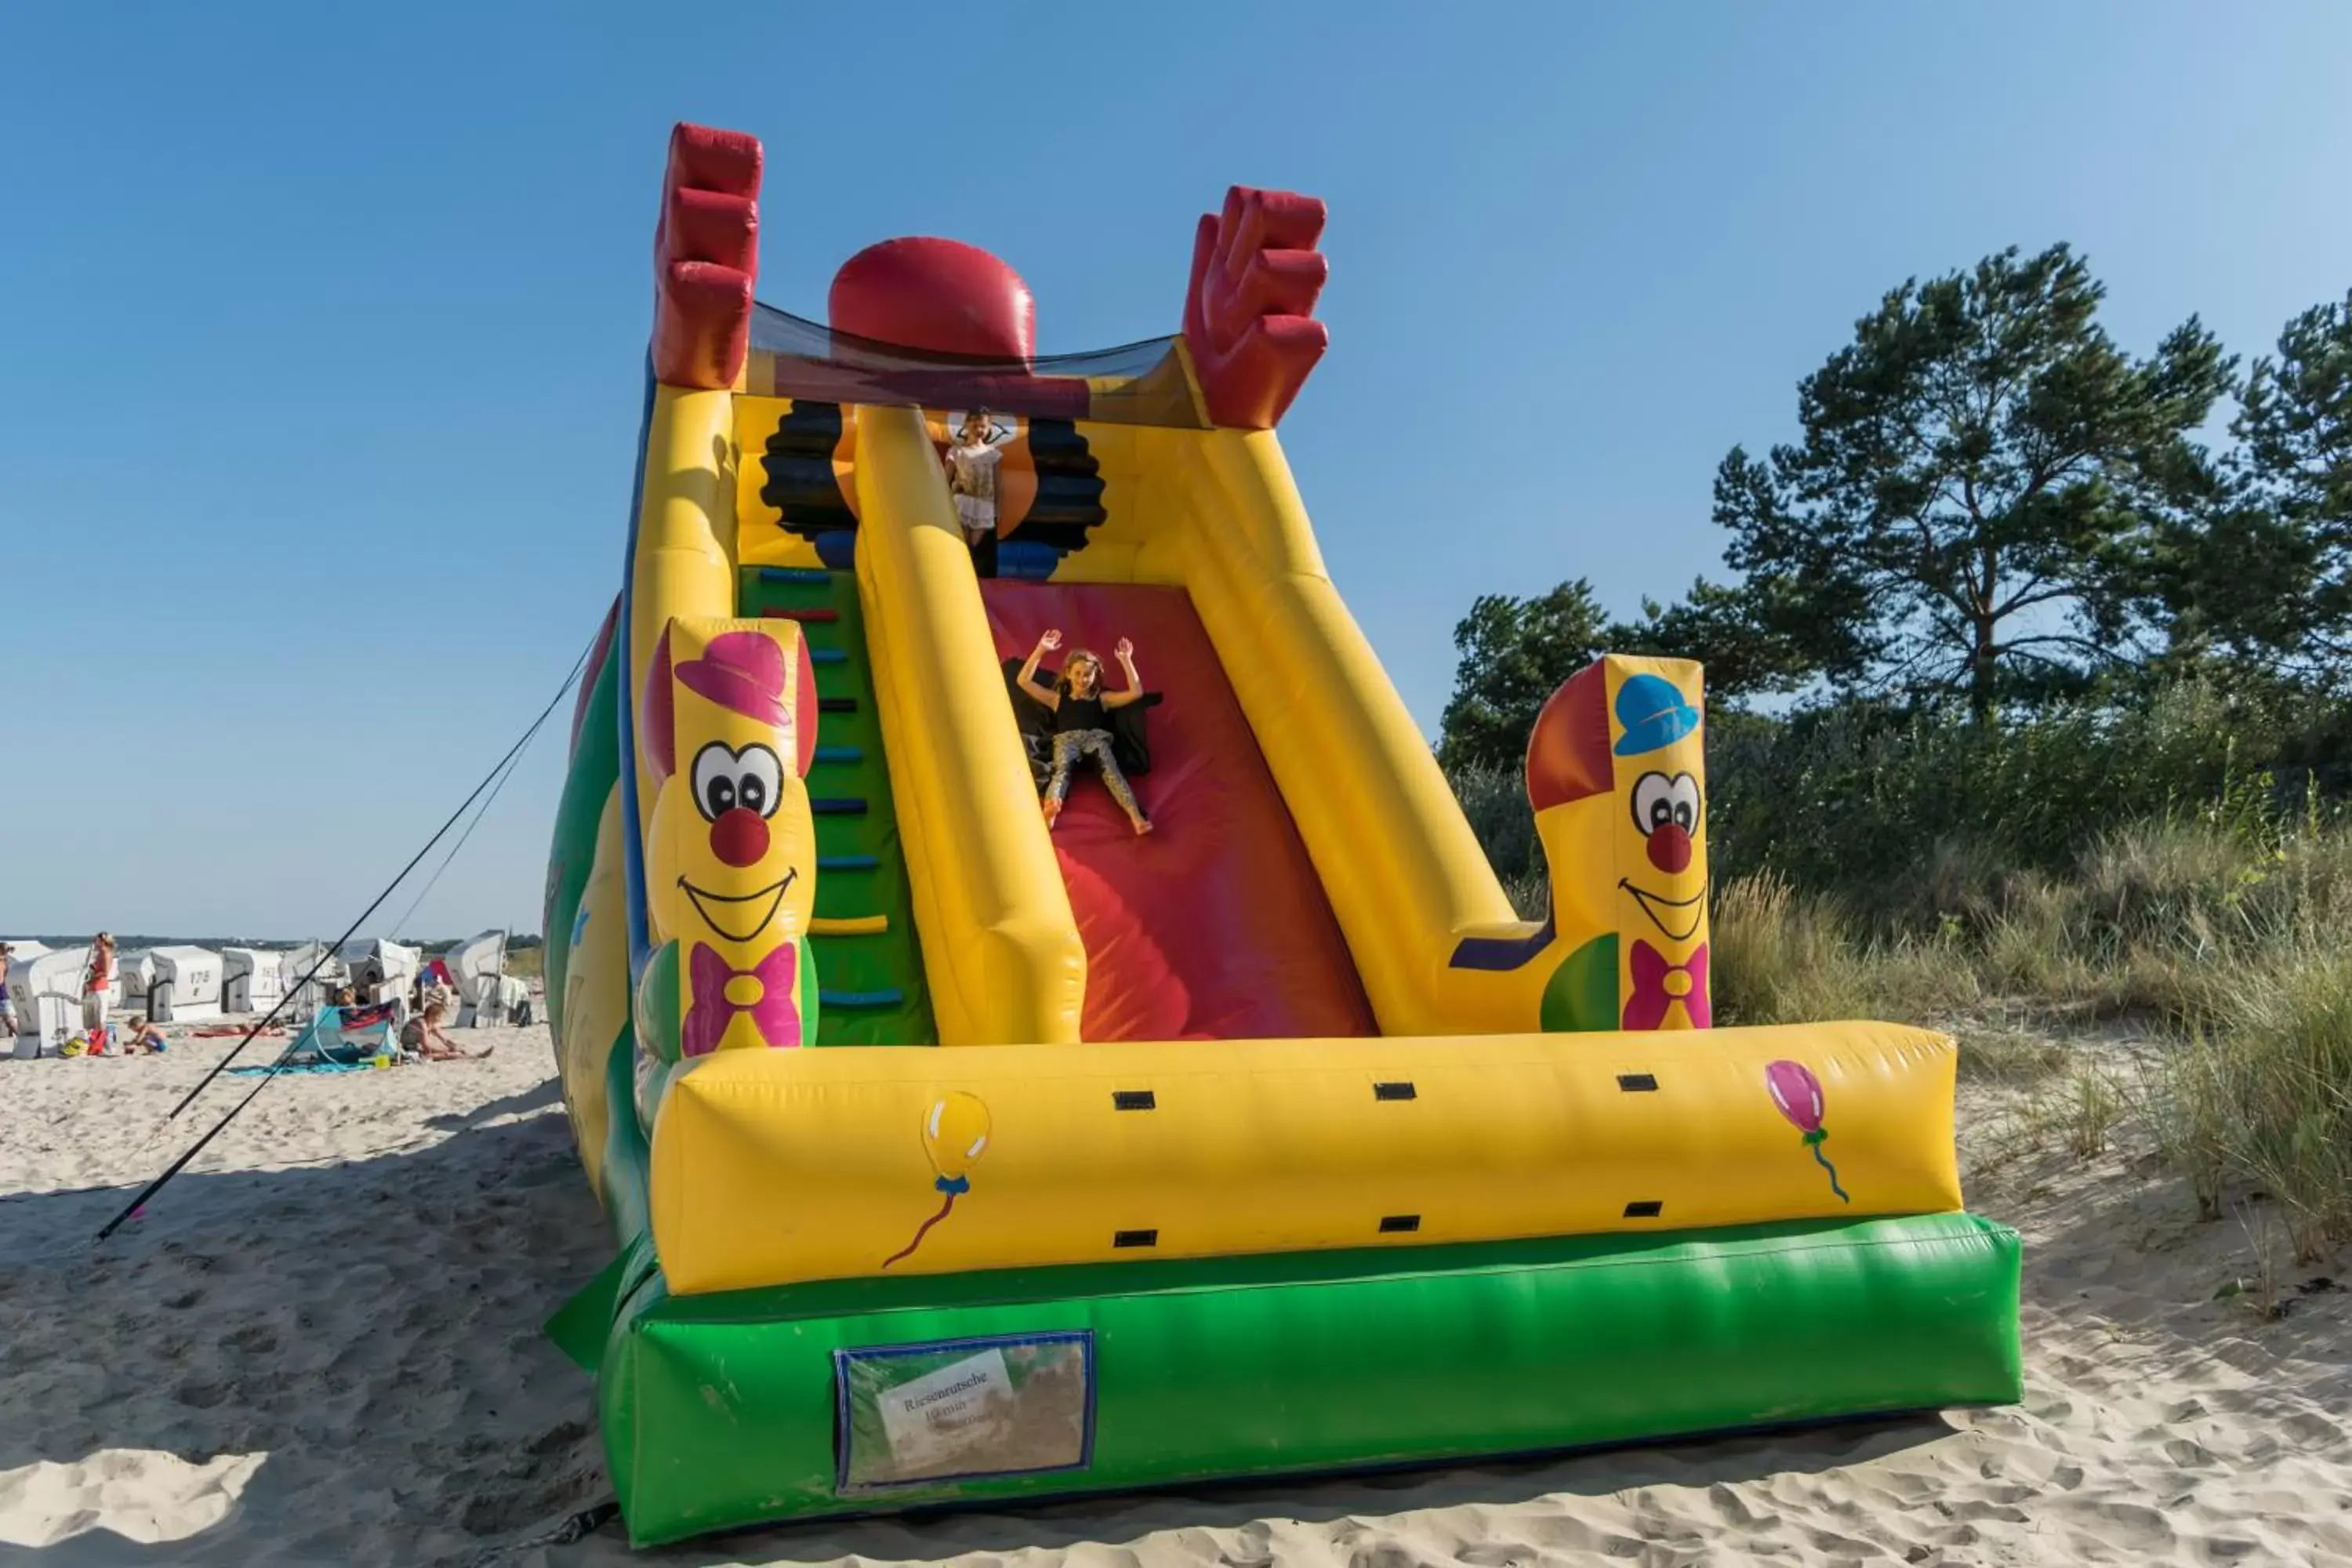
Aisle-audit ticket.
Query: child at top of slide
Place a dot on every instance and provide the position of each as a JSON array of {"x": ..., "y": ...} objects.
[
  {"x": 1081, "y": 730},
  {"x": 972, "y": 460}
]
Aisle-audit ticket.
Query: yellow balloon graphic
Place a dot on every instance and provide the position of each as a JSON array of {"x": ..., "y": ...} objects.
[{"x": 954, "y": 1135}]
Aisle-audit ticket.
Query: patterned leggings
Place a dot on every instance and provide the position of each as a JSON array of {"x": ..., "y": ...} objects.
[{"x": 1070, "y": 747}]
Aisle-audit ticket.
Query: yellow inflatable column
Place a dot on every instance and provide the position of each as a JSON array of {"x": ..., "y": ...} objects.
[
  {"x": 1617, "y": 776},
  {"x": 731, "y": 849},
  {"x": 685, "y": 563},
  {"x": 1001, "y": 949}
]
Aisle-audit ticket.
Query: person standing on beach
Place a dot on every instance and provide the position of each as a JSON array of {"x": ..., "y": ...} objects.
[{"x": 93, "y": 990}]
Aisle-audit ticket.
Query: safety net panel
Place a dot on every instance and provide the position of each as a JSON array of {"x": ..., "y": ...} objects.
[{"x": 1138, "y": 384}]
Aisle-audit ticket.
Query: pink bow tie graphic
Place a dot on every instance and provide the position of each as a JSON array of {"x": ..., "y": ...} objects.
[
  {"x": 1646, "y": 1009},
  {"x": 773, "y": 1014}
]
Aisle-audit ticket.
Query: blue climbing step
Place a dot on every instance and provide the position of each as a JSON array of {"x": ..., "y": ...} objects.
[{"x": 859, "y": 1001}]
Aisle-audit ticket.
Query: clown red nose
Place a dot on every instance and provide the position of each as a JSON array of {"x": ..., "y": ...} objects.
[
  {"x": 740, "y": 836},
  {"x": 1670, "y": 848}
]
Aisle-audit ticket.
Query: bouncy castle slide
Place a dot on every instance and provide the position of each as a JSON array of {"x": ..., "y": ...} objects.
[{"x": 1269, "y": 1143}]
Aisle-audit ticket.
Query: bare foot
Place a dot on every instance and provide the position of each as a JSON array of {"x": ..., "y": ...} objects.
[
  {"x": 1142, "y": 826},
  {"x": 1052, "y": 812}
]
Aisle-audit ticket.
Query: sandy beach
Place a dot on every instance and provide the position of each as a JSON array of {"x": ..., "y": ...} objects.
[{"x": 322, "y": 1345}]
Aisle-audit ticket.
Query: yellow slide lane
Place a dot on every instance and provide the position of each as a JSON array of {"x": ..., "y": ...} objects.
[{"x": 1001, "y": 950}]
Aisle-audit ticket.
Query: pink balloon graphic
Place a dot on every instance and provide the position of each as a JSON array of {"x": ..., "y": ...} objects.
[{"x": 1798, "y": 1093}]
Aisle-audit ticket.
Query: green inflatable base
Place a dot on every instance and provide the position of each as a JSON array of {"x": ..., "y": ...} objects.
[{"x": 730, "y": 1409}]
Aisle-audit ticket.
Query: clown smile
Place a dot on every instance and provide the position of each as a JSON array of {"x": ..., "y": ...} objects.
[
  {"x": 748, "y": 912},
  {"x": 1692, "y": 910}
]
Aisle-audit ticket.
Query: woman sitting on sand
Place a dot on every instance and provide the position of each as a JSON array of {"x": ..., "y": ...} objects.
[{"x": 422, "y": 1036}]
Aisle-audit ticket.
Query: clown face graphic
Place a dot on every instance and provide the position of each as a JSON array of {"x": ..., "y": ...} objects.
[
  {"x": 1661, "y": 851},
  {"x": 729, "y": 866}
]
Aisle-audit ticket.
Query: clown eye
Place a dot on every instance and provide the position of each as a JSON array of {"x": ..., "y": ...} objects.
[
  {"x": 1653, "y": 802},
  {"x": 758, "y": 780},
  {"x": 714, "y": 781},
  {"x": 1684, "y": 796},
  {"x": 751, "y": 778}
]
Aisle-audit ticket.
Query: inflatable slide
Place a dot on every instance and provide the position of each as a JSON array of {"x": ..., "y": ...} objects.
[{"x": 950, "y": 1155}]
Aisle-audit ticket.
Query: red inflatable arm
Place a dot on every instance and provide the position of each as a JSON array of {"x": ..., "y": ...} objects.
[
  {"x": 706, "y": 257},
  {"x": 1249, "y": 316}
]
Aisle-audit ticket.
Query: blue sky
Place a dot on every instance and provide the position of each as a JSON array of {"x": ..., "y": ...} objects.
[{"x": 319, "y": 326}]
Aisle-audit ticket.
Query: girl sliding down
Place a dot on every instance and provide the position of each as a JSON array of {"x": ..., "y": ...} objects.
[{"x": 1081, "y": 727}]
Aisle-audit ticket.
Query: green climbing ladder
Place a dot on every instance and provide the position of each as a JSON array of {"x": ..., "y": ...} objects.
[{"x": 869, "y": 966}]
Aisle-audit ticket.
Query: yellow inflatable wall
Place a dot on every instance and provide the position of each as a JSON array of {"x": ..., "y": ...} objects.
[{"x": 775, "y": 1167}]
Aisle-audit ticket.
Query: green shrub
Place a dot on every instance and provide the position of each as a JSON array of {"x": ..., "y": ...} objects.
[{"x": 1495, "y": 802}]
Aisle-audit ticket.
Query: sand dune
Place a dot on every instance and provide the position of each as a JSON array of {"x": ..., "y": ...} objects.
[{"x": 321, "y": 1345}]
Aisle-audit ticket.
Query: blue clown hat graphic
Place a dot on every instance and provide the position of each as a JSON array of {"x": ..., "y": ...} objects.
[{"x": 1654, "y": 712}]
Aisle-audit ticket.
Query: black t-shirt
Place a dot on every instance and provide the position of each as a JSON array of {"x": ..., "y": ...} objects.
[{"x": 1079, "y": 713}]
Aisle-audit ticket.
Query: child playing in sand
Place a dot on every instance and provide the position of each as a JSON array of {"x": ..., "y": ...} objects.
[
  {"x": 1081, "y": 722},
  {"x": 422, "y": 1036},
  {"x": 141, "y": 1038}
]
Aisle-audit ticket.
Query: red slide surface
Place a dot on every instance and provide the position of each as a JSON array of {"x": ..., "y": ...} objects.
[{"x": 1215, "y": 926}]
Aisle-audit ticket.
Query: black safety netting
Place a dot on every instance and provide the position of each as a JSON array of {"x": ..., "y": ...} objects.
[{"x": 1136, "y": 383}]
